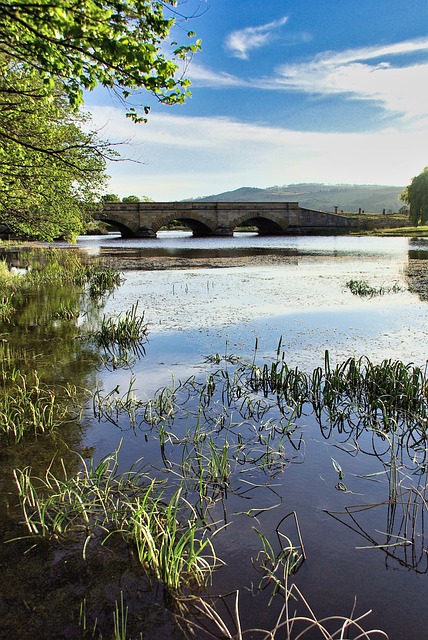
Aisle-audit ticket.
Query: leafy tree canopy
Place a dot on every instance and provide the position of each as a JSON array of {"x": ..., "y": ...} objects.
[
  {"x": 51, "y": 170},
  {"x": 131, "y": 199},
  {"x": 110, "y": 197},
  {"x": 84, "y": 43},
  {"x": 416, "y": 196}
]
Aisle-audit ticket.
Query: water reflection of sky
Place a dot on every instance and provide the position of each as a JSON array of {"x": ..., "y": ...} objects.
[
  {"x": 327, "y": 245},
  {"x": 192, "y": 313},
  {"x": 302, "y": 299}
]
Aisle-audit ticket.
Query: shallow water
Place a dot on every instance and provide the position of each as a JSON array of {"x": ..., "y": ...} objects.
[{"x": 223, "y": 296}]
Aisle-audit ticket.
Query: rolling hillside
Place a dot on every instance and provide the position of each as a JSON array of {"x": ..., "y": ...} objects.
[{"x": 347, "y": 197}]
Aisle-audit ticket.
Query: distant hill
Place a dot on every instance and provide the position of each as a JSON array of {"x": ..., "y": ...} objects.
[{"x": 347, "y": 197}]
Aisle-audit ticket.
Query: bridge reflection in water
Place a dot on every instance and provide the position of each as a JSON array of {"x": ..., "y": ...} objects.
[{"x": 145, "y": 219}]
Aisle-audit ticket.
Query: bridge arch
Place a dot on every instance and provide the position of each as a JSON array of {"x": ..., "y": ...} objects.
[
  {"x": 125, "y": 230},
  {"x": 198, "y": 227},
  {"x": 265, "y": 225}
]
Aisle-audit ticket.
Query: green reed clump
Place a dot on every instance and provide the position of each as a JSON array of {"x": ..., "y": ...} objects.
[
  {"x": 101, "y": 279},
  {"x": 123, "y": 331},
  {"x": 98, "y": 502},
  {"x": 288, "y": 382},
  {"x": 29, "y": 407},
  {"x": 66, "y": 311},
  {"x": 9, "y": 282},
  {"x": 173, "y": 552},
  {"x": 363, "y": 289},
  {"x": 6, "y": 308},
  {"x": 60, "y": 267},
  {"x": 8, "y": 279},
  {"x": 49, "y": 267},
  {"x": 390, "y": 385}
]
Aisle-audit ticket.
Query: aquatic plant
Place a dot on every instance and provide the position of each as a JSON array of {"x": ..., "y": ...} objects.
[
  {"x": 220, "y": 435},
  {"x": 276, "y": 567},
  {"x": 120, "y": 619},
  {"x": 6, "y": 308},
  {"x": 98, "y": 503},
  {"x": 123, "y": 331},
  {"x": 66, "y": 311},
  {"x": 101, "y": 279},
  {"x": 363, "y": 289},
  {"x": 30, "y": 408},
  {"x": 215, "y": 619}
]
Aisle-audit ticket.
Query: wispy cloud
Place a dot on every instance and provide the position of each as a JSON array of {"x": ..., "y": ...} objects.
[
  {"x": 240, "y": 43},
  {"x": 392, "y": 76},
  {"x": 204, "y": 77},
  {"x": 380, "y": 74}
]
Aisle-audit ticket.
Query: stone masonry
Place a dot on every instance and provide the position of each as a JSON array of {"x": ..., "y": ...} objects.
[{"x": 144, "y": 219}]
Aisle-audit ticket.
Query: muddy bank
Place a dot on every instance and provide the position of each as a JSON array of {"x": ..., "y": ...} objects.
[{"x": 168, "y": 263}]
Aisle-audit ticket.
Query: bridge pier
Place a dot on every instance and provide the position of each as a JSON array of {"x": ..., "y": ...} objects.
[
  {"x": 224, "y": 231},
  {"x": 144, "y": 232}
]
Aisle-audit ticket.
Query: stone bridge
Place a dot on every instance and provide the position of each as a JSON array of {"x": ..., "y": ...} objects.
[{"x": 204, "y": 218}]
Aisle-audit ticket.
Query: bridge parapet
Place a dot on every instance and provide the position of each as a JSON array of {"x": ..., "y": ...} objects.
[{"x": 204, "y": 218}]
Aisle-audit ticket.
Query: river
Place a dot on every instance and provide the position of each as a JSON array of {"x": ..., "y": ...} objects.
[{"x": 206, "y": 297}]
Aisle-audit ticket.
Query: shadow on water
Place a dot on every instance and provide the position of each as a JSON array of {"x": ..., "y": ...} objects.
[{"x": 48, "y": 590}]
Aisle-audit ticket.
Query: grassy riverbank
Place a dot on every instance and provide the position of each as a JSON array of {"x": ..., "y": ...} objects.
[{"x": 408, "y": 232}]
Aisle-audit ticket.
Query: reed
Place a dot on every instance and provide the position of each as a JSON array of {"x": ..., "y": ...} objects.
[
  {"x": 220, "y": 619},
  {"x": 66, "y": 311},
  {"x": 176, "y": 555},
  {"x": 123, "y": 331},
  {"x": 101, "y": 279},
  {"x": 113, "y": 406},
  {"x": 98, "y": 503},
  {"x": 363, "y": 289},
  {"x": 120, "y": 619},
  {"x": 31, "y": 408},
  {"x": 6, "y": 308}
]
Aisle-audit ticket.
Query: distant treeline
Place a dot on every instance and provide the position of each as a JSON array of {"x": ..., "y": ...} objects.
[{"x": 346, "y": 197}]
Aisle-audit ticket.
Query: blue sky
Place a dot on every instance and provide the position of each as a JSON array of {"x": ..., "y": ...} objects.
[{"x": 332, "y": 91}]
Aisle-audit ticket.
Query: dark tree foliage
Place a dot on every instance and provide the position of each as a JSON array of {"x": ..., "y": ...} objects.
[{"x": 416, "y": 196}]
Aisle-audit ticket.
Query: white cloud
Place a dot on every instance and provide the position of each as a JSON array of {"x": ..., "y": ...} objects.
[
  {"x": 202, "y": 77},
  {"x": 196, "y": 156},
  {"x": 240, "y": 43},
  {"x": 366, "y": 74},
  {"x": 358, "y": 74}
]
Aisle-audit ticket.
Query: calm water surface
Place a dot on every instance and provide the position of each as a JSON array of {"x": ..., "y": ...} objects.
[
  {"x": 294, "y": 289},
  {"x": 223, "y": 296}
]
